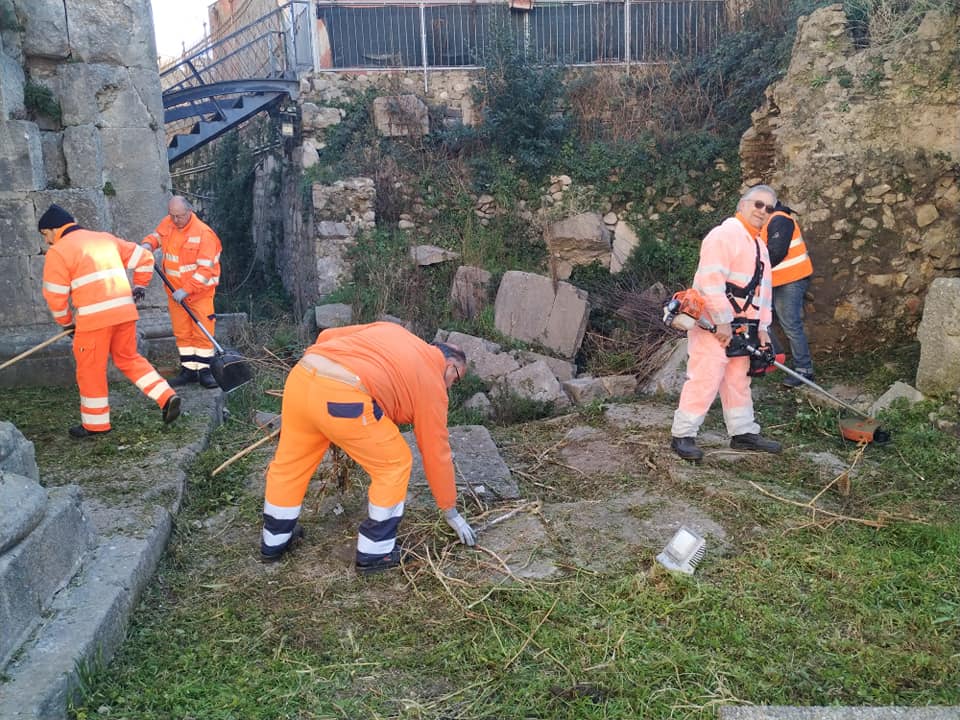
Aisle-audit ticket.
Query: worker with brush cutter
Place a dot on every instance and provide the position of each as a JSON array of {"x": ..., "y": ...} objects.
[
  {"x": 351, "y": 388},
  {"x": 733, "y": 278},
  {"x": 90, "y": 268},
  {"x": 188, "y": 253}
]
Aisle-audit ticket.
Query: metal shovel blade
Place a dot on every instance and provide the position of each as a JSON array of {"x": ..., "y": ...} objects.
[{"x": 230, "y": 370}]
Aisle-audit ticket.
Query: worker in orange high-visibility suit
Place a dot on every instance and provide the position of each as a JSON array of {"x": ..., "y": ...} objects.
[
  {"x": 733, "y": 276},
  {"x": 351, "y": 388},
  {"x": 190, "y": 253},
  {"x": 791, "y": 269},
  {"x": 90, "y": 268}
]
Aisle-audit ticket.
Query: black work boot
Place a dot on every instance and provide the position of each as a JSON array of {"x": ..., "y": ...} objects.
[
  {"x": 392, "y": 560},
  {"x": 184, "y": 378},
  {"x": 171, "y": 409},
  {"x": 269, "y": 555},
  {"x": 791, "y": 382},
  {"x": 755, "y": 442},
  {"x": 686, "y": 447},
  {"x": 79, "y": 432},
  {"x": 206, "y": 378}
]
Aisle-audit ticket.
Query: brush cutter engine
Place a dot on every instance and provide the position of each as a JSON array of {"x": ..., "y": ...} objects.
[{"x": 685, "y": 310}]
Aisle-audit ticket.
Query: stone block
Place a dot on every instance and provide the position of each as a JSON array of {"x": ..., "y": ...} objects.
[
  {"x": 578, "y": 240},
  {"x": 585, "y": 390},
  {"x": 20, "y": 288},
  {"x": 333, "y": 315},
  {"x": 12, "y": 81},
  {"x": 40, "y": 565},
  {"x": 87, "y": 205},
  {"x": 625, "y": 240},
  {"x": 401, "y": 115},
  {"x": 17, "y": 456},
  {"x": 18, "y": 228},
  {"x": 939, "y": 334},
  {"x": 536, "y": 382},
  {"x": 528, "y": 308},
  {"x": 21, "y": 156},
  {"x": 45, "y": 30},
  {"x": 112, "y": 31},
  {"x": 468, "y": 294},
  {"x": 562, "y": 369},
  {"x": 83, "y": 155},
  {"x": 24, "y": 503},
  {"x": 54, "y": 162}
]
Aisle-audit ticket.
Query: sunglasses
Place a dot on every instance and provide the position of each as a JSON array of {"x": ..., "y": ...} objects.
[{"x": 761, "y": 205}]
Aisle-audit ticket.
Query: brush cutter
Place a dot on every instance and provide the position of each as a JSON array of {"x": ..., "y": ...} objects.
[
  {"x": 229, "y": 368},
  {"x": 687, "y": 309}
]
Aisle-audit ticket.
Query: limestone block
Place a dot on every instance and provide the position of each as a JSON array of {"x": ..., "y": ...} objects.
[
  {"x": 110, "y": 96},
  {"x": 333, "y": 315},
  {"x": 18, "y": 228},
  {"x": 54, "y": 162},
  {"x": 894, "y": 392},
  {"x": 17, "y": 456},
  {"x": 469, "y": 292},
  {"x": 528, "y": 308},
  {"x": 20, "y": 288},
  {"x": 430, "y": 254},
  {"x": 624, "y": 242},
  {"x": 45, "y": 30},
  {"x": 620, "y": 386},
  {"x": 12, "y": 81},
  {"x": 672, "y": 361},
  {"x": 578, "y": 240},
  {"x": 112, "y": 31},
  {"x": 23, "y": 500},
  {"x": 87, "y": 205},
  {"x": 332, "y": 262},
  {"x": 314, "y": 117},
  {"x": 401, "y": 115},
  {"x": 535, "y": 382},
  {"x": 83, "y": 155},
  {"x": 585, "y": 390},
  {"x": 939, "y": 335},
  {"x": 562, "y": 369},
  {"x": 480, "y": 404},
  {"x": 139, "y": 179},
  {"x": 484, "y": 358},
  {"x": 21, "y": 156}
]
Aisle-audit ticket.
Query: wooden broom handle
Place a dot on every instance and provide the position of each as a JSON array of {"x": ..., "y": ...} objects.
[{"x": 32, "y": 350}]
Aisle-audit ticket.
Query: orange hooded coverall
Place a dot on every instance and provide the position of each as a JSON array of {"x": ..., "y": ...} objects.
[
  {"x": 191, "y": 261},
  {"x": 728, "y": 254},
  {"x": 380, "y": 375},
  {"x": 91, "y": 269}
]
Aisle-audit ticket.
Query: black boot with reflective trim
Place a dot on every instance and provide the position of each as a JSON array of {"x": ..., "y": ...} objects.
[
  {"x": 377, "y": 565},
  {"x": 171, "y": 409},
  {"x": 269, "y": 555},
  {"x": 184, "y": 378},
  {"x": 207, "y": 379},
  {"x": 686, "y": 447},
  {"x": 755, "y": 443},
  {"x": 79, "y": 432}
]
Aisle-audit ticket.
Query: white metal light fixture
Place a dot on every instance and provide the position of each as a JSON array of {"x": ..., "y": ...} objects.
[
  {"x": 286, "y": 129},
  {"x": 684, "y": 551}
]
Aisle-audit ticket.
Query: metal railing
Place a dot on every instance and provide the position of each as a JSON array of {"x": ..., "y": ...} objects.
[{"x": 460, "y": 33}]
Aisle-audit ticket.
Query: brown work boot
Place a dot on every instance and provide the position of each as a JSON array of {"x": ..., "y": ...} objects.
[
  {"x": 756, "y": 443},
  {"x": 686, "y": 447}
]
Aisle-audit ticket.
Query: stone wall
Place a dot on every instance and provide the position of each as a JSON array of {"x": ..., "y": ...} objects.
[
  {"x": 864, "y": 144},
  {"x": 95, "y": 145}
]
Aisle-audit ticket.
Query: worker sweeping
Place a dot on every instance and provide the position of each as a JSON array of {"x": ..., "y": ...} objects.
[
  {"x": 351, "y": 388},
  {"x": 90, "y": 268},
  {"x": 733, "y": 278}
]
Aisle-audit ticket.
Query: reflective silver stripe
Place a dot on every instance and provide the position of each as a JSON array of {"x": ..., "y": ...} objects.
[
  {"x": 186, "y": 350},
  {"x": 384, "y": 513},
  {"x": 173, "y": 258},
  {"x": 157, "y": 390},
  {"x": 204, "y": 281},
  {"x": 173, "y": 273},
  {"x": 194, "y": 239},
  {"x": 368, "y": 546},
  {"x": 105, "y": 305},
  {"x": 216, "y": 258},
  {"x": 187, "y": 268},
  {"x": 203, "y": 352},
  {"x": 205, "y": 263},
  {"x": 739, "y": 278},
  {"x": 91, "y": 419},
  {"x": 153, "y": 234},
  {"x": 148, "y": 379},
  {"x": 281, "y": 513},
  {"x": 94, "y": 402},
  {"x": 56, "y": 289},
  {"x": 791, "y": 262},
  {"x": 705, "y": 269},
  {"x": 60, "y": 313},
  {"x": 135, "y": 258},
  {"x": 98, "y": 275},
  {"x": 193, "y": 365},
  {"x": 796, "y": 241},
  {"x": 271, "y": 540},
  {"x": 143, "y": 268},
  {"x": 712, "y": 289}
]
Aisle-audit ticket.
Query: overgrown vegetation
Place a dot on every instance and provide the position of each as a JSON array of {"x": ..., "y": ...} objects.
[{"x": 40, "y": 102}]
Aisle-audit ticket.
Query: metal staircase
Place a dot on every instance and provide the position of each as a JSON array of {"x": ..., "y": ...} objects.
[{"x": 224, "y": 82}]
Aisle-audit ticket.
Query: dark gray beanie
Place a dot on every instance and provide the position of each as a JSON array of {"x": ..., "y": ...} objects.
[{"x": 54, "y": 217}]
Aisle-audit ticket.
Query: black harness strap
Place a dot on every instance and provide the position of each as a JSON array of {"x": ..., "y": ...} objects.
[{"x": 747, "y": 292}]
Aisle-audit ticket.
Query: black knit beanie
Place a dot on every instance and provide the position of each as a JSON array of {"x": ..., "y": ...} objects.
[{"x": 54, "y": 217}]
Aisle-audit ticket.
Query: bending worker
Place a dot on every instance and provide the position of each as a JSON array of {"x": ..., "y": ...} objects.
[
  {"x": 351, "y": 388},
  {"x": 733, "y": 276},
  {"x": 791, "y": 268},
  {"x": 90, "y": 268},
  {"x": 190, "y": 253}
]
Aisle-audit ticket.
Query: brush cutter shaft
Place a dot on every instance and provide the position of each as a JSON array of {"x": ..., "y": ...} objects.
[
  {"x": 32, "y": 350},
  {"x": 189, "y": 312}
]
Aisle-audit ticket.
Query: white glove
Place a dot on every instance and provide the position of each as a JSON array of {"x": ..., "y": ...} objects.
[
  {"x": 460, "y": 526},
  {"x": 158, "y": 257},
  {"x": 180, "y": 295},
  {"x": 147, "y": 246}
]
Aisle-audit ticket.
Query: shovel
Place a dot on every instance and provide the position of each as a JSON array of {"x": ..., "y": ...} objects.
[
  {"x": 31, "y": 351},
  {"x": 229, "y": 368}
]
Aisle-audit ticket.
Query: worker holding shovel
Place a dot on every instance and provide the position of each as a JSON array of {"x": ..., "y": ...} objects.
[
  {"x": 351, "y": 388},
  {"x": 90, "y": 268},
  {"x": 188, "y": 253}
]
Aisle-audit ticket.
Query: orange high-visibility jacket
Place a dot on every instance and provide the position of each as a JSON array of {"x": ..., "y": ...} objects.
[
  {"x": 191, "y": 256},
  {"x": 91, "y": 269},
  {"x": 404, "y": 375},
  {"x": 791, "y": 263},
  {"x": 729, "y": 254}
]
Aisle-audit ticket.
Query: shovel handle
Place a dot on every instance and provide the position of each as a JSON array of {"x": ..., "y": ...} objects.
[
  {"x": 32, "y": 350},
  {"x": 188, "y": 311}
]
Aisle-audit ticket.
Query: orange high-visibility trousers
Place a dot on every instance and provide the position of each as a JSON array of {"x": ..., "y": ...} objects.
[
  {"x": 91, "y": 350},
  {"x": 194, "y": 347},
  {"x": 318, "y": 411},
  {"x": 710, "y": 371}
]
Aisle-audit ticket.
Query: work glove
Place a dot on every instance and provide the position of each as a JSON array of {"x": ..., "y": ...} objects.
[
  {"x": 180, "y": 295},
  {"x": 139, "y": 293},
  {"x": 460, "y": 526},
  {"x": 147, "y": 246},
  {"x": 158, "y": 257}
]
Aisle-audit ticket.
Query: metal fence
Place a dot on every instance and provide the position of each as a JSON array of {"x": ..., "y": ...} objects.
[{"x": 459, "y": 33}]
